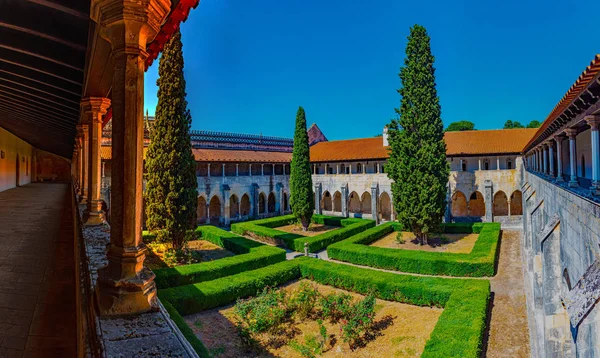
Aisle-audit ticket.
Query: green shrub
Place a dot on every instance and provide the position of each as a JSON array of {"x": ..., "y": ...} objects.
[
  {"x": 358, "y": 321},
  {"x": 263, "y": 313},
  {"x": 251, "y": 255},
  {"x": 265, "y": 228},
  {"x": 303, "y": 301},
  {"x": 335, "y": 306},
  {"x": 479, "y": 262}
]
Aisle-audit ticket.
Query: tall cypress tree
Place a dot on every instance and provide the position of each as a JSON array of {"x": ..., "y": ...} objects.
[
  {"x": 171, "y": 189},
  {"x": 417, "y": 163},
  {"x": 302, "y": 199}
]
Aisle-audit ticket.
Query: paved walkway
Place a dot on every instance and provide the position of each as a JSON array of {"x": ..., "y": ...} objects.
[{"x": 37, "y": 274}]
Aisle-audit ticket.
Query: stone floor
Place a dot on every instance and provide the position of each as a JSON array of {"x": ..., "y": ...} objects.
[{"x": 37, "y": 275}]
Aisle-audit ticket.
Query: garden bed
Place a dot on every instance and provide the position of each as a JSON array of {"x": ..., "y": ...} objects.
[
  {"x": 267, "y": 230},
  {"x": 453, "y": 243},
  {"x": 480, "y": 261},
  {"x": 202, "y": 251},
  {"x": 398, "y": 329},
  {"x": 313, "y": 229},
  {"x": 458, "y": 332}
]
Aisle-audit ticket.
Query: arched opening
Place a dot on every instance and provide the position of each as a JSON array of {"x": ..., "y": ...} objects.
[
  {"x": 583, "y": 166},
  {"x": 271, "y": 203},
  {"x": 365, "y": 203},
  {"x": 516, "y": 203},
  {"x": 358, "y": 168},
  {"x": 214, "y": 210},
  {"x": 234, "y": 208},
  {"x": 385, "y": 206},
  {"x": 342, "y": 171},
  {"x": 245, "y": 205},
  {"x": 285, "y": 202},
  {"x": 476, "y": 205},
  {"x": 459, "y": 204},
  {"x": 500, "y": 204},
  {"x": 354, "y": 203},
  {"x": 486, "y": 164},
  {"x": 509, "y": 164},
  {"x": 201, "y": 210},
  {"x": 262, "y": 205},
  {"x": 337, "y": 202},
  {"x": 326, "y": 202}
]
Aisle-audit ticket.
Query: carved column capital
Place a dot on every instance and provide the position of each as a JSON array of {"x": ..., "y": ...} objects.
[
  {"x": 95, "y": 107},
  {"x": 593, "y": 121},
  {"x": 571, "y": 132}
]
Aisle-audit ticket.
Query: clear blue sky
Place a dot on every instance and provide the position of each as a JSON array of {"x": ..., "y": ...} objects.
[{"x": 250, "y": 64}]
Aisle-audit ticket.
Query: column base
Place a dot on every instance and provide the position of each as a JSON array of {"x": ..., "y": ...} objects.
[
  {"x": 560, "y": 179},
  {"x": 93, "y": 218},
  {"x": 573, "y": 183},
  {"x": 83, "y": 199},
  {"x": 128, "y": 296}
]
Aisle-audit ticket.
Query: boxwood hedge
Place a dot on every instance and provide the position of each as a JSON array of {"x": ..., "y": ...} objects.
[
  {"x": 250, "y": 255},
  {"x": 481, "y": 261},
  {"x": 267, "y": 228},
  {"x": 458, "y": 332}
]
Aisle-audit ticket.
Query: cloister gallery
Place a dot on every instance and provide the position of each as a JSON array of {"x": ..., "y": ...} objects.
[{"x": 73, "y": 137}]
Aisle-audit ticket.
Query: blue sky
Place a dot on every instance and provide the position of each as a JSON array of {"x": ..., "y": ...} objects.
[{"x": 250, "y": 64}]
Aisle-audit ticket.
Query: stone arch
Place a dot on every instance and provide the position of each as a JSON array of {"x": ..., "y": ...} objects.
[
  {"x": 326, "y": 203},
  {"x": 354, "y": 203},
  {"x": 500, "y": 204},
  {"x": 245, "y": 205},
  {"x": 201, "y": 210},
  {"x": 365, "y": 203},
  {"x": 337, "y": 202},
  {"x": 262, "y": 203},
  {"x": 516, "y": 203},
  {"x": 459, "y": 204},
  {"x": 385, "y": 206},
  {"x": 214, "y": 210},
  {"x": 271, "y": 203},
  {"x": 234, "y": 208},
  {"x": 476, "y": 205}
]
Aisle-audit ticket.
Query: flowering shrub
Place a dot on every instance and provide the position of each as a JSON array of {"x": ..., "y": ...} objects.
[
  {"x": 304, "y": 299},
  {"x": 335, "y": 306},
  {"x": 358, "y": 321},
  {"x": 261, "y": 314}
]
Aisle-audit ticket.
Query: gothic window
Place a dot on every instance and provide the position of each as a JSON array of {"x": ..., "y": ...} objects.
[
  {"x": 486, "y": 164},
  {"x": 359, "y": 168}
]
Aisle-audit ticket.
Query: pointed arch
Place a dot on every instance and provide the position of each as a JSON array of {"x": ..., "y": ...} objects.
[
  {"x": 271, "y": 203},
  {"x": 326, "y": 203},
  {"x": 500, "y": 204},
  {"x": 262, "y": 203},
  {"x": 385, "y": 206},
  {"x": 516, "y": 203},
  {"x": 245, "y": 205},
  {"x": 201, "y": 210},
  {"x": 337, "y": 202},
  {"x": 365, "y": 203},
  {"x": 214, "y": 210},
  {"x": 476, "y": 205},
  {"x": 459, "y": 204},
  {"x": 234, "y": 207},
  {"x": 354, "y": 203}
]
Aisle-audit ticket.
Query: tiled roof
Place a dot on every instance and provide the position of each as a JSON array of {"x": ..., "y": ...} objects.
[
  {"x": 580, "y": 85},
  {"x": 242, "y": 156},
  {"x": 501, "y": 141},
  {"x": 351, "y": 149}
]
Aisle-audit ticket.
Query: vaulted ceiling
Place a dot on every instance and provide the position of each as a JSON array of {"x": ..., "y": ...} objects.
[{"x": 43, "y": 46}]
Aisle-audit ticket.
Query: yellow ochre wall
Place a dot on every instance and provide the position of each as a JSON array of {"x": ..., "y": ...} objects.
[{"x": 12, "y": 146}]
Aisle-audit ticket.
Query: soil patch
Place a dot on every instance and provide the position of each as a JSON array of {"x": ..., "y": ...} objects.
[
  {"x": 400, "y": 330},
  {"x": 313, "y": 229},
  {"x": 454, "y": 243},
  {"x": 205, "y": 250}
]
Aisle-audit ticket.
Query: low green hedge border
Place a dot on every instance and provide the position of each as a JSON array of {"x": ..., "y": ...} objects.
[
  {"x": 266, "y": 228},
  {"x": 458, "y": 332},
  {"x": 187, "y": 332},
  {"x": 481, "y": 261},
  {"x": 250, "y": 255}
]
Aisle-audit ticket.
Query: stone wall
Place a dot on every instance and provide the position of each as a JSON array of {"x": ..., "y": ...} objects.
[
  {"x": 560, "y": 244},
  {"x": 16, "y": 161}
]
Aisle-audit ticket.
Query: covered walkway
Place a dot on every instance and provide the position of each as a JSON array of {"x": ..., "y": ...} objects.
[{"x": 37, "y": 272}]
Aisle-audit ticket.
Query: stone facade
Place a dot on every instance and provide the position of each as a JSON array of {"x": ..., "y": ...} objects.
[{"x": 560, "y": 244}]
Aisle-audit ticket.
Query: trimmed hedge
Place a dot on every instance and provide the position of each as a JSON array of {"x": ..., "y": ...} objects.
[
  {"x": 458, "y": 332},
  {"x": 481, "y": 261},
  {"x": 186, "y": 331},
  {"x": 266, "y": 228},
  {"x": 250, "y": 255}
]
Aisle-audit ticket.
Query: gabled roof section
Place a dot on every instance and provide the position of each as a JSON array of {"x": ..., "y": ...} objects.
[
  {"x": 488, "y": 142},
  {"x": 315, "y": 135},
  {"x": 350, "y": 149}
]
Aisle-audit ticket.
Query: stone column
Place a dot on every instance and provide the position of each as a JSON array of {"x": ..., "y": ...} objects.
[
  {"x": 125, "y": 286},
  {"x": 237, "y": 170},
  {"x": 594, "y": 122},
  {"x": 222, "y": 170},
  {"x": 551, "y": 157},
  {"x": 350, "y": 166},
  {"x": 559, "y": 173},
  {"x": 545, "y": 158},
  {"x": 254, "y": 200},
  {"x": 262, "y": 169},
  {"x": 273, "y": 170},
  {"x": 226, "y": 207},
  {"x": 572, "y": 133},
  {"x": 375, "y": 202},
  {"x": 75, "y": 165},
  {"x": 488, "y": 197},
  {"x": 94, "y": 108},
  {"x": 78, "y": 147},
  {"x": 479, "y": 163},
  {"x": 497, "y": 163},
  {"x": 250, "y": 169},
  {"x": 337, "y": 169},
  {"x": 318, "y": 195},
  {"x": 84, "y": 133},
  {"x": 344, "y": 200},
  {"x": 208, "y": 169},
  {"x": 279, "y": 203}
]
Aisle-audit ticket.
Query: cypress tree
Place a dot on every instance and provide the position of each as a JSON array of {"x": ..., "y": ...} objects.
[
  {"x": 417, "y": 163},
  {"x": 171, "y": 194},
  {"x": 302, "y": 199}
]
